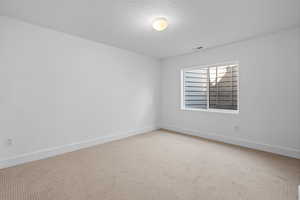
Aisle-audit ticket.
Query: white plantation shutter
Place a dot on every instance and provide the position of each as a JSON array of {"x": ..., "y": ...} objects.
[
  {"x": 214, "y": 87},
  {"x": 223, "y": 87},
  {"x": 195, "y": 88}
]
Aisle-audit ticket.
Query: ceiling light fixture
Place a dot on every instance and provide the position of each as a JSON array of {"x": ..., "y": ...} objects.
[{"x": 160, "y": 24}]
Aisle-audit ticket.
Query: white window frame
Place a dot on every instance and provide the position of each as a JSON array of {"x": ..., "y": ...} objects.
[{"x": 182, "y": 86}]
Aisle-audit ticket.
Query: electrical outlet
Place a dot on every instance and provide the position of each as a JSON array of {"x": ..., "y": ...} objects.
[
  {"x": 9, "y": 142},
  {"x": 236, "y": 128}
]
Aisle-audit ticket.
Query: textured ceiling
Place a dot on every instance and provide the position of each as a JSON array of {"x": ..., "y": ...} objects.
[{"x": 126, "y": 23}]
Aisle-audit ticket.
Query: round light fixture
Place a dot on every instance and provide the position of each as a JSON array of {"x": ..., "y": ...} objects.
[{"x": 160, "y": 24}]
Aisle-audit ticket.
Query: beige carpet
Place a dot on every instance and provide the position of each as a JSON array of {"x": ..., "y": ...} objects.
[{"x": 159, "y": 166}]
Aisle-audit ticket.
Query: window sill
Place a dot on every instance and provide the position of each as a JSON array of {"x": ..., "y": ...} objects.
[{"x": 212, "y": 110}]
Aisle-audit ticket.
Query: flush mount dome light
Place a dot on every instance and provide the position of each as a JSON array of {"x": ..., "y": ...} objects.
[{"x": 160, "y": 24}]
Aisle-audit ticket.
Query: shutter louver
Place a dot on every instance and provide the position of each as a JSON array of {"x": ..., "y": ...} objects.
[{"x": 195, "y": 88}]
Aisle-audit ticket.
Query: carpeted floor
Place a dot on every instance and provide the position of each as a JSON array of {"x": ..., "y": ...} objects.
[{"x": 161, "y": 166}]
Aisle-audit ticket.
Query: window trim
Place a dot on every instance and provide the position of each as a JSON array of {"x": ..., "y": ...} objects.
[{"x": 182, "y": 86}]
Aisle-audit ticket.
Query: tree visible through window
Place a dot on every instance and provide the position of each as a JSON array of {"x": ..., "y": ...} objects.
[{"x": 212, "y": 87}]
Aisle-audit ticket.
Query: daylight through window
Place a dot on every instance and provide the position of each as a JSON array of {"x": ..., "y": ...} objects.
[{"x": 212, "y": 87}]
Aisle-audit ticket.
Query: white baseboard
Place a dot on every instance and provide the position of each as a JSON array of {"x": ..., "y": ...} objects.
[
  {"x": 46, "y": 153},
  {"x": 294, "y": 153}
]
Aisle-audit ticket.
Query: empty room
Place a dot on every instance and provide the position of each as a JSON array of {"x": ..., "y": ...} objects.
[{"x": 149, "y": 100}]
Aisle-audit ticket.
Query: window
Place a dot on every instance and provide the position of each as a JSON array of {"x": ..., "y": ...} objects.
[{"x": 212, "y": 88}]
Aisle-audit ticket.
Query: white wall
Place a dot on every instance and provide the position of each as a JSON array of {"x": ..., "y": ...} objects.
[
  {"x": 269, "y": 117},
  {"x": 58, "y": 89}
]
